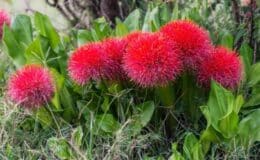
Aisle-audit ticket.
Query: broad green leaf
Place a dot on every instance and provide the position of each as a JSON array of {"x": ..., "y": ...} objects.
[
  {"x": 254, "y": 75},
  {"x": 146, "y": 110},
  {"x": 222, "y": 110},
  {"x": 209, "y": 135},
  {"x": 46, "y": 29},
  {"x": 44, "y": 117},
  {"x": 253, "y": 101},
  {"x": 134, "y": 127},
  {"x": 192, "y": 148},
  {"x": 14, "y": 49},
  {"x": 227, "y": 40},
  {"x": 176, "y": 155},
  {"x": 84, "y": 36},
  {"x": 100, "y": 29},
  {"x": 249, "y": 128},
  {"x": 60, "y": 148},
  {"x": 77, "y": 135},
  {"x": 22, "y": 28},
  {"x": 106, "y": 123},
  {"x": 34, "y": 52},
  {"x": 133, "y": 21},
  {"x": 220, "y": 103},
  {"x": 121, "y": 29},
  {"x": 228, "y": 126},
  {"x": 151, "y": 19}
]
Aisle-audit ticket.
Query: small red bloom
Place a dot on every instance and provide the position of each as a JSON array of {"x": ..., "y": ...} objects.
[
  {"x": 32, "y": 86},
  {"x": 88, "y": 62},
  {"x": 223, "y": 66},
  {"x": 114, "y": 49},
  {"x": 193, "y": 41},
  {"x": 152, "y": 60},
  {"x": 4, "y": 19}
]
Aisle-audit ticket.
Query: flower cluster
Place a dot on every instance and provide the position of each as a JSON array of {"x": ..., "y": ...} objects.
[
  {"x": 32, "y": 86},
  {"x": 155, "y": 59},
  {"x": 4, "y": 19}
]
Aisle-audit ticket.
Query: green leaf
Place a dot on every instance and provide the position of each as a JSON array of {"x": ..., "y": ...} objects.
[
  {"x": 84, "y": 36},
  {"x": 77, "y": 135},
  {"x": 253, "y": 101},
  {"x": 165, "y": 14},
  {"x": 247, "y": 56},
  {"x": 249, "y": 128},
  {"x": 22, "y": 28},
  {"x": 254, "y": 75},
  {"x": 106, "y": 123},
  {"x": 106, "y": 104},
  {"x": 209, "y": 135},
  {"x": 100, "y": 29},
  {"x": 59, "y": 84},
  {"x": 228, "y": 126},
  {"x": 46, "y": 29},
  {"x": 227, "y": 40},
  {"x": 121, "y": 29},
  {"x": 44, "y": 117},
  {"x": 146, "y": 110},
  {"x": 238, "y": 104},
  {"x": 34, "y": 52},
  {"x": 151, "y": 19},
  {"x": 222, "y": 110},
  {"x": 60, "y": 148},
  {"x": 67, "y": 103},
  {"x": 133, "y": 21},
  {"x": 192, "y": 148},
  {"x": 175, "y": 13},
  {"x": 176, "y": 155},
  {"x": 134, "y": 127},
  {"x": 220, "y": 103},
  {"x": 14, "y": 49}
]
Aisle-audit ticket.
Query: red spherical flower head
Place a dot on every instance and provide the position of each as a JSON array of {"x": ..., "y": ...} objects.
[
  {"x": 193, "y": 41},
  {"x": 152, "y": 60},
  {"x": 223, "y": 66},
  {"x": 88, "y": 62},
  {"x": 114, "y": 49},
  {"x": 32, "y": 86},
  {"x": 4, "y": 19},
  {"x": 133, "y": 36}
]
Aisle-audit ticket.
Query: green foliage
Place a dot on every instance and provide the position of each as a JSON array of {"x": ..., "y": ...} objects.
[{"x": 114, "y": 120}]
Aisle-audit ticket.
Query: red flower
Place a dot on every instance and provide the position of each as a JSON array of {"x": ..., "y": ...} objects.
[
  {"x": 4, "y": 19},
  {"x": 32, "y": 86},
  {"x": 89, "y": 62},
  {"x": 114, "y": 49},
  {"x": 223, "y": 66},
  {"x": 133, "y": 36},
  {"x": 151, "y": 60},
  {"x": 193, "y": 41}
]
